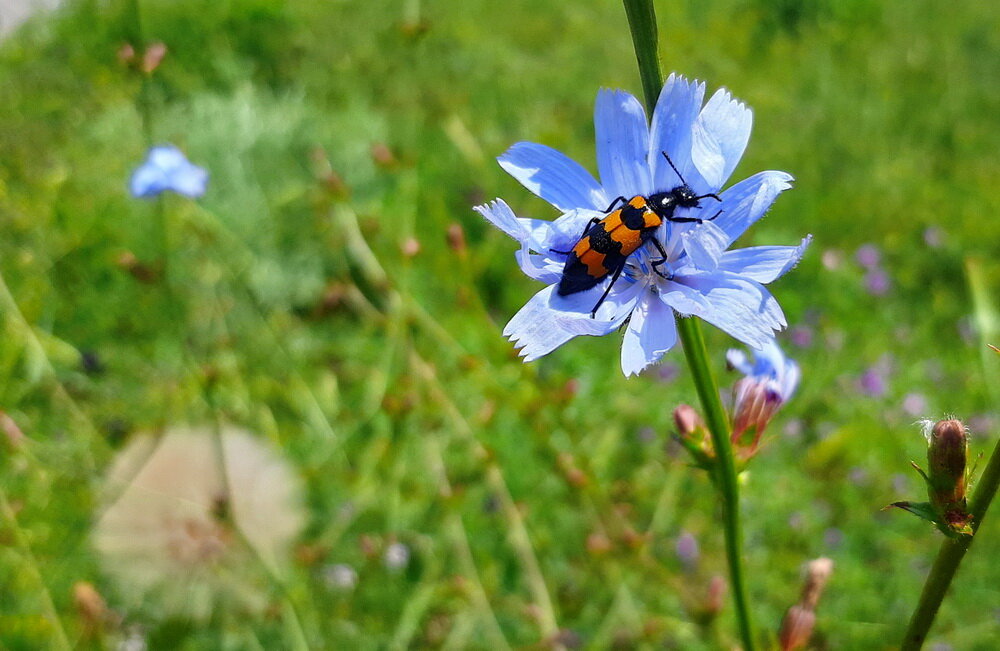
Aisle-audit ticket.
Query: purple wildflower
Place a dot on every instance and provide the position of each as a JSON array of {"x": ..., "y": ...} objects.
[
  {"x": 687, "y": 549},
  {"x": 877, "y": 282},
  {"x": 915, "y": 404},
  {"x": 868, "y": 256},
  {"x": 801, "y": 336},
  {"x": 873, "y": 382}
]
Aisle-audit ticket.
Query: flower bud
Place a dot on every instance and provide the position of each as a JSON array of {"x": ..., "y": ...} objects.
[
  {"x": 687, "y": 420},
  {"x": 694, "y": 436},
  {"x": 126, "y": 53},
  {"x": 716, "y": 595},
  {"x": 15, "y": 437},
  {"x": 383, "y": 156},
  {"x": 947, "y": 455},
  {"x": 817, "y": 574},
  {"x": 770, "y": 380},
  {"x": 456, "y": 238},
  {"x": 796, "y": 628},
  {"x": 153, "y": 56},
  {"x": 89, "y": 604},
  {"x": 755, "y": 404}
]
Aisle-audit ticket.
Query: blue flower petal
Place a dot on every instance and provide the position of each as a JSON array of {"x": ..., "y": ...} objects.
[
  {"x": 553, "y": 176},
  {"x": 533, "y": 330},
  {"x": 673, "y": 119},
  {"x": 790, "y": 380},
  {"x": 622, "y": 144},
  {"x": 739, "y": 361},
  {"x": 740, "y": 307},
  {"x": 705, "y": 243},
  {"x": 166, "y": 168},
  {"x": 574, "y": 310},
  {"x": 167, "y": 157},
  {"x": 720, "y": 137},
  {"x": 538, "y": 266},
  {"x": 770, "y": 365},
  {"x": 498, "y": 213},
  {"x": 147, "y": 181},
  {"x": 190, "y": 181},
  {"x": 548, "y": 320},
  {"x": 651, "y": 332},
  {"x": 562, "y": 233},
  {"x": 764, "y": 264},
  {"x": 747, "y": 201}
]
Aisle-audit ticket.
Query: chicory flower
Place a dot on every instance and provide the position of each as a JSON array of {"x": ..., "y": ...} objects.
[
  {"x": 699, "y": 277},
  {"x": 166, "y": 168},
  {"x": 770, "y": 380}
]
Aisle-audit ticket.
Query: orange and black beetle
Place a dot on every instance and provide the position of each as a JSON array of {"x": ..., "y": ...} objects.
[{"x": 607, "y": 243}]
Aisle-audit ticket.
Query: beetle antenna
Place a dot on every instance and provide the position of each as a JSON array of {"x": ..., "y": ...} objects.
[{"x": 677, "y": 171}]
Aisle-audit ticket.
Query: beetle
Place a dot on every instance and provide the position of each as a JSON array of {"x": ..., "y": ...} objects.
[{"x": 607, "y": 242}]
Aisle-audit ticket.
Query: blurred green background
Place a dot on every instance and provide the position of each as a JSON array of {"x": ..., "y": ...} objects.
[{"x": 334, "y": 293}]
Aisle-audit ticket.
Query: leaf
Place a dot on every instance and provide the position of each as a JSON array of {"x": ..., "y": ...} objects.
[{"x": 922, "y": 510}]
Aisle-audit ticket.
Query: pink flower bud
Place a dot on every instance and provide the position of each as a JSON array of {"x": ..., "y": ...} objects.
[
  {"x": 796, "y": 628},
  {"x": 153, "y": 57}
]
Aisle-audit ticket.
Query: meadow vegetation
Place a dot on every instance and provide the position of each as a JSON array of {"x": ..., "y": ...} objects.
[{"x": 334, "y": 293}]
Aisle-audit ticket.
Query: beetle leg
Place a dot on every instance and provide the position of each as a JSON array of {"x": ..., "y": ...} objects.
[
  {"x": 657, "y": 263},
  {"x": 618, "y": 272},
  {"x": 612, "y": 204},
  {"x": 590, "y": 224}
]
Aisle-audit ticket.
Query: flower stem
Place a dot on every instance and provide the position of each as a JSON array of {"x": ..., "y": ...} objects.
[
  {"x": 642, "y": 23},
  {"x": 949, "y": 556},
  {"x": 724, "y": 475}
]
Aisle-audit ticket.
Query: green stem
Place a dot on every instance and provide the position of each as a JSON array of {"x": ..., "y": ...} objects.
[
  {"x": 725, "y": 468},
  {"x": 144, "y": 106},
  {"x": 642, "y": 22},
  {"x": 949, "y": 557},
  {"x": 133, "y": 16}
]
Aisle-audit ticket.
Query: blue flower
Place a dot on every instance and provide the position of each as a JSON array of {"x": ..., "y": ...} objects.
[
  {"x": 166, "y": 168},
  {"x": 770, "y": 380},
  {"x": 725, "y": 288},
  {"x": 778, "y": 373}
]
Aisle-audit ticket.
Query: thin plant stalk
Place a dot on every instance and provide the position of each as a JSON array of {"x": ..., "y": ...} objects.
[
  {"x": 724, "y": 471},
  {"x": 144, "y": 106},
  {"x": 949, "y": 557},
  {"x": 642, "y": 22}
]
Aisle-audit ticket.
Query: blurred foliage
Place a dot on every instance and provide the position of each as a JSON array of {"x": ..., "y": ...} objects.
[{"x": 312, "y": 296}]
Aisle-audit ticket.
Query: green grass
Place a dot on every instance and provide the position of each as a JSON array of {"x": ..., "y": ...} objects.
[{"x": 402, "y": 407}]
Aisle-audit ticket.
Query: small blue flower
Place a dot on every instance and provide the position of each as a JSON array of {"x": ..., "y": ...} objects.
[
  {"x": 166, "y": 168},
  {"x": 778, "y": 373},
  {"x": 770, "y": 380},
  {"x": 725, "y": 288}
]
